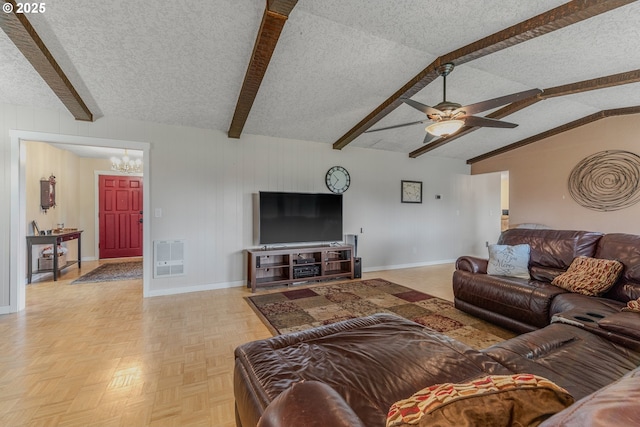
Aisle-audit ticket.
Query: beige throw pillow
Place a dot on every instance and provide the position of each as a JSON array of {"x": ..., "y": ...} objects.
[
  {"x": 494, "y": 400},
  {"x": 633, "y": 305},
  {"x": 589, "y": 276}
]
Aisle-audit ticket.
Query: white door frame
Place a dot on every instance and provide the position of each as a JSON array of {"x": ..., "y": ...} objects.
[{"x": 18, "y": 259}]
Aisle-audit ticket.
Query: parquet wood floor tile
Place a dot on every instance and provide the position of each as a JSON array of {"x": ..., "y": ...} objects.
[{"x": 98, "y": 354}]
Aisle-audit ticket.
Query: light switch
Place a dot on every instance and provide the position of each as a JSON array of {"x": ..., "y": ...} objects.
[{"x": 158, "y": 213}]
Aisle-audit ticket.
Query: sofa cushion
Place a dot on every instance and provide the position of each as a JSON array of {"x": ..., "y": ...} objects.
[
  {"x": 553, "y": 248},
  {"x": 508, "y": 260},
  {"x": 370, "y": 361},
  {"x": 500, "y": 400},
  {"x": 564, "y": 354},
  {"x": 527, "y": 301},
  {"x": 626, "y": 249},
  {"x": 589, "y": 276}
]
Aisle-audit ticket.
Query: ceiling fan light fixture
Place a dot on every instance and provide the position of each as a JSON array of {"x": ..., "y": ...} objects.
[{"x": 445, "y": 127}]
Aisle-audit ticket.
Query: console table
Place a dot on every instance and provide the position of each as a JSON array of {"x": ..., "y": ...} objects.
[
  {"x": 284, "y": 266},
  {"x": 52, "y": 239}
]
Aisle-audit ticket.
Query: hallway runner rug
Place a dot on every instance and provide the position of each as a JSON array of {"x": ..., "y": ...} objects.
[
  {"x": 304, "y": 308},
  {"x": 111, "y": 272}
]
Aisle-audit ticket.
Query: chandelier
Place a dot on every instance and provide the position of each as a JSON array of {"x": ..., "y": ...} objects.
[{"x": 126, "y": 164}]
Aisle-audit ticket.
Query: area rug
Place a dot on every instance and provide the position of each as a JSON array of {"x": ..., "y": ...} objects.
[
  {"x": 300, "y": 309},
  {"x": 111, "y": 272}
]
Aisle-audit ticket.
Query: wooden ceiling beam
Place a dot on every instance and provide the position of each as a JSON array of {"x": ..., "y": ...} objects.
[
  {"x": 24, "y": 36},
  {"x": 625, "y": 78},
  {"x": 593, "y": 84},
  {"x": 544, "y": 23},
  {"x": 557, "y": 130},
  {"x": 275, "y": 16}
]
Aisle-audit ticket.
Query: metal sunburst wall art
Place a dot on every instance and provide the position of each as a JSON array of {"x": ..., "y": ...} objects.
[{"x": 606, "y": 181}]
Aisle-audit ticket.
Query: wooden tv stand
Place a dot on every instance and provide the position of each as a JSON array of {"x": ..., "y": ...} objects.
[{"x": 287, "y": 265}]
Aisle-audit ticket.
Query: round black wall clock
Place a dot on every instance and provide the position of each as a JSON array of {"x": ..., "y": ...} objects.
[{"x": 338, "y": 179}]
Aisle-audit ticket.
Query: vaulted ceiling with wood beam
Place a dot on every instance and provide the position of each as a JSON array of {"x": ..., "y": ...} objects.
[{"x": 328, "y": 71}]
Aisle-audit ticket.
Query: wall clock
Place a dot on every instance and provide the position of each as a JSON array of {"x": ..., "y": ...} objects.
[
  {"x": 411, "y": 192},
  {"x": 338, "y": 179}
]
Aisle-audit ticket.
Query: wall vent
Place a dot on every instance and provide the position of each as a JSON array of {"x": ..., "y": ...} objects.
[{"x": 168, "y": 258}]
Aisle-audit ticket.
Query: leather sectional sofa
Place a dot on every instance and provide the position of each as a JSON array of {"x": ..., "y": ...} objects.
[
  {"x": 524, "y": 305},
  {"x": 350, "y": 373},
  {"x": 365, "y": 365}
]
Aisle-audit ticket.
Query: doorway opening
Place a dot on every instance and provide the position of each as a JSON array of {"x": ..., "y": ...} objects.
[
  {"x": 20, "y": 222},
  {"x": 504, "y": 200}
]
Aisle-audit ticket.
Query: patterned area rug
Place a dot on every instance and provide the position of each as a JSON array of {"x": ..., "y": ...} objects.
[
  {"x": 111, "y": 272},
  {"x": 299, "y": 309}
]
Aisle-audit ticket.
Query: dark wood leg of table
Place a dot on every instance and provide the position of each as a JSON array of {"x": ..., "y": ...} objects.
[
  {"x": 29, "y": 261},
  {"x": 55, "y": 260},
  {"x": 79, "y": 251}
]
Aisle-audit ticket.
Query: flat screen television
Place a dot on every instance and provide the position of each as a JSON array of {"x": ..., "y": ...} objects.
[{"x": 299, "y": 217}]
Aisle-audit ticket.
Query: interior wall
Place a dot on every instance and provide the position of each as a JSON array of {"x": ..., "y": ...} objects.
[
  {"x": 202, "y": 185},
  {"x": 75, "y": 194},
  {"x": 539, "y": 173},
  {"x": 44, "y": 160}
]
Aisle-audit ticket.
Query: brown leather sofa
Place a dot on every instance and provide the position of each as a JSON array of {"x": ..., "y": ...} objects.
[
  {"x": 350, "y": 373},
  {"x": 525, "y": 305}
]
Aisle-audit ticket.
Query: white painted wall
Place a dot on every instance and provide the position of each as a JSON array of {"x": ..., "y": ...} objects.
[{"x": 204, "y": 184}]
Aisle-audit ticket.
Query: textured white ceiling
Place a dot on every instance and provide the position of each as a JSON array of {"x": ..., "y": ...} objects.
[{"x": 336, "y": 61}]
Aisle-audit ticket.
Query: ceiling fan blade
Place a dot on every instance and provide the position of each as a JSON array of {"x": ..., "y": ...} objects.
[
  {"x": 428, "y": 137},
  {"x": 421, "y": 107},
  {"x": 475, "y": 121},
  {"x": 396, "y": 126},
  {"x": 497, "y": 102}
]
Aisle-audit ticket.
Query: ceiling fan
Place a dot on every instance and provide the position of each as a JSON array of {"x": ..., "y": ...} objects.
[{"x": 449, "y": 117}]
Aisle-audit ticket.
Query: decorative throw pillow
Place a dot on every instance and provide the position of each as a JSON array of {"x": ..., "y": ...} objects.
[
  {"x": 495, "y": 400},
  {"x": 589, "y": 276},
  {"x": 506, "y": 260},
  {"x": 633, "y": 305}
]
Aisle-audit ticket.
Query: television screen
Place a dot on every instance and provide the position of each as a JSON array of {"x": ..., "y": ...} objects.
[{"x": 299, "y": 217}]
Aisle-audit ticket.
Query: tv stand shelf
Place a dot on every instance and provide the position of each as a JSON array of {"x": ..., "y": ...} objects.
[{"x": 284, "y": 266}]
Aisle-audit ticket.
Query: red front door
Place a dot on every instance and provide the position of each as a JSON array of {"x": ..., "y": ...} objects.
[{"x": 120, "y": 216}]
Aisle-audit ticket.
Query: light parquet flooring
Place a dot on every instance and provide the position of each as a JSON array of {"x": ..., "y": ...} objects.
[{"x": 98, "y": 354}]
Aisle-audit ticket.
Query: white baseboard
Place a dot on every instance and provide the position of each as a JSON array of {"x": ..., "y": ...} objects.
[
  {"x": 197, "y": 288},
  {"x": 400, "y": 266},
  {"x": 239, "y": 283}
]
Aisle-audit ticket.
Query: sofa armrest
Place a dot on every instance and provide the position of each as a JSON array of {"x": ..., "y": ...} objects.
[
  {"x": 472, "y": 264},
  {"x": 624, "y": 323},
  {"x": 612, "y": 405},
  {"x": 309, "y": 404}
]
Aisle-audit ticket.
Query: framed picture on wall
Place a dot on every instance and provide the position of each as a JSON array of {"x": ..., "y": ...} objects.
[{"x": 411, "y": 192}]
